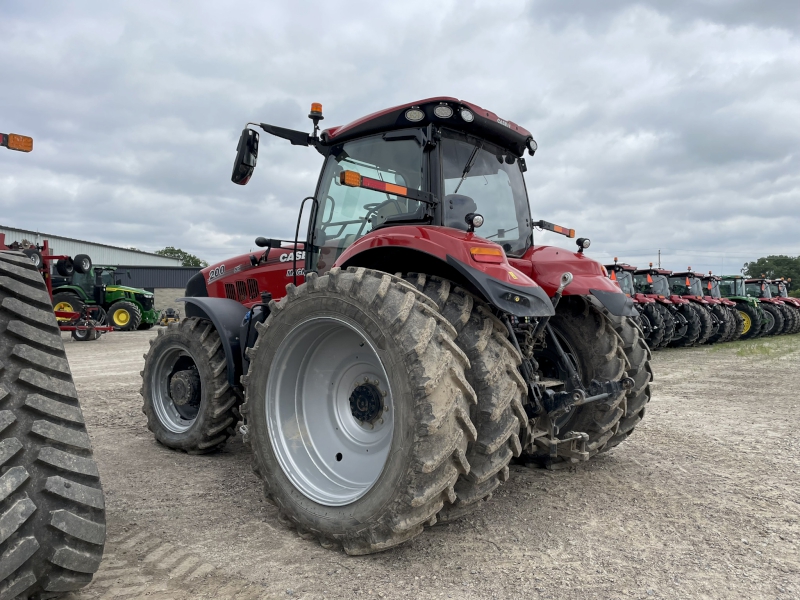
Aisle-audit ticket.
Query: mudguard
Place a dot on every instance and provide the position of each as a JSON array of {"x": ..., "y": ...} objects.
[
  {"x": 616, "y": 303},
  {"x": 227, "y": 316}
]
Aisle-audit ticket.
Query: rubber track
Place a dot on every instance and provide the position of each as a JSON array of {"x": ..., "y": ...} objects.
[
  {"x": 435, "y": 367},
  {"x": 52, "y": 515},
  {"x": 494, "y": 374},
  {"x": 222, "y": 415}
]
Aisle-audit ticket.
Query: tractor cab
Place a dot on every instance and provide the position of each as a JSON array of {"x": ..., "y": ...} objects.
[
  {"x": 686, "y": 283},
  {"x": 732, "y": 286},
  {"x": 622, "y": 273},
  {"x": 652, "y": 282},
  {"x": 757, "y": 288}
]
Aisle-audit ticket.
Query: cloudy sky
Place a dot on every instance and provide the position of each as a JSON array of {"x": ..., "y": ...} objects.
[{"x": 669, "y": 125}]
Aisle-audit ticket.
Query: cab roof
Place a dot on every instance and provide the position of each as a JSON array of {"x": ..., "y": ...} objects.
[
  {"x": 654, "y": 271},
  {"x": 620, "y": 267},
  {"x": 485, "y": 124}
]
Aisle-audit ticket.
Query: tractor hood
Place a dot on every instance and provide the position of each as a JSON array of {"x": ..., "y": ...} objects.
[{"x": 130, "y": 290}]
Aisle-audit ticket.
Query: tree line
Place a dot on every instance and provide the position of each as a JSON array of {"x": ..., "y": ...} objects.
[{"x": 775, "y": 267}]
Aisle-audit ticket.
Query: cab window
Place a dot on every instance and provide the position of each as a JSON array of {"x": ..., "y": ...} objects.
[{"x": 347, "y": 213}]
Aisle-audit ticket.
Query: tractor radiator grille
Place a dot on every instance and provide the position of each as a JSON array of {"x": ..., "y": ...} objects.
[
  {"x": 241, "y": 290},
  {"x": 230, "y": 291},
  {"x": 252, "y": 289}
]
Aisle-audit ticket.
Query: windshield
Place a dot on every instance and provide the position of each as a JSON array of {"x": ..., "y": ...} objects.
[
  {"x": 784, "y": 293},
  {"x": 685, "y": 286},
  {"x": 347, "y": 213},
  {"x": 732, "y": 287},
  {"x": 625, "y": 280},
  {"x": 651, "y": 284},
  {"x": 758, "y": 290},
  {"x": 486, "y": 179},
  {"x": 85, "y": 281},
  {"x": 712, "y": 288},
  {"x": 777, "y": 290}
]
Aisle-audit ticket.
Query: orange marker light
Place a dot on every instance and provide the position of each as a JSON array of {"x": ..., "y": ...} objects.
[
  {"x": 316, "y": 107},
  {"x": 572, "y": 233},
  {"x": 350, "y": 178},
  {"x": 487, "y": 255},
  {"x": 13, "y": 141}
]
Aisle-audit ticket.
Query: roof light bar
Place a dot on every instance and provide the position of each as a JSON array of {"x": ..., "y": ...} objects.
[{"x": 570, "y": 233}]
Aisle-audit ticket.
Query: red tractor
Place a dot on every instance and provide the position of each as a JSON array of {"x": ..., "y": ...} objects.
[
  {"x": 688, "y": 286},
  {"x": 389, "y": 366},
  {"x": 780, "y": 317},
  {"x": 731, "y": 322},
  {"x": 779, "y": 288},
  {"x": 681, "y": 322},
  {"x": 651, "y": 313}
]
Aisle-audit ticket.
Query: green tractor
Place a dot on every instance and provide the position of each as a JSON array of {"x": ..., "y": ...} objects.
[
  {"x": 125, "y": 308},
  {"x": 756, "y": 321}
]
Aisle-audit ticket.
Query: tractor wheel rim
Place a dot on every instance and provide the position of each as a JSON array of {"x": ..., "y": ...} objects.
[
  {"x": 63, "y": 307},
  {"x": 122, "y": 317},
  {"x": 174, "y": 419},
  {"x": 330, "y": 410},
  {"x": 747, "y": 322}
]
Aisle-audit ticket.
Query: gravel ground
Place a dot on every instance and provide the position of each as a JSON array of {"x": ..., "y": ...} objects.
[{"x": 702, "y": 501}]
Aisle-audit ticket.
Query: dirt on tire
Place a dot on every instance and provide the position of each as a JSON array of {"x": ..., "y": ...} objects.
[{"x": 432, "y": 401}]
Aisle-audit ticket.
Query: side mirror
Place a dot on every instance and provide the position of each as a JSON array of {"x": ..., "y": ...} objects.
[
  {"x": 262, "y": 242},
  {"x": 246, "y": 156},
  {"x": 129, "y": 274}
]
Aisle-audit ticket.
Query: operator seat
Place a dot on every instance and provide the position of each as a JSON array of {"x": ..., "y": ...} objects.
[{"x": 458, "y": 207}]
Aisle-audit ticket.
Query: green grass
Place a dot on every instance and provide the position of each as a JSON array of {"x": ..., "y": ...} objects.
[{"x": 771, "y": 347}]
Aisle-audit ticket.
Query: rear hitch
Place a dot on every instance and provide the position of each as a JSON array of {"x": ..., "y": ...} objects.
[{"x": 559, "y": 403}]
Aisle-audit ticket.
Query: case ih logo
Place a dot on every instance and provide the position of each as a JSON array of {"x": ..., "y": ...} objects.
[
  {"x": 301, "y": 255},
  {"x": 503, "y": 123}
]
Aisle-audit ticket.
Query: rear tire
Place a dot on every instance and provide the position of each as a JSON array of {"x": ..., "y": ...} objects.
[
  {"x": 751, "y": 318},
  {"x": 656, "y": 318},
  {"x": 124, "y": 316},
  {"x": 776, "y": 323},
  {"x": 494, "y": 375},
  {"x": 688, "y": 312},
  {"x": 788, "y": 319},
  {"x": 706, "y": 323},
  {"x": 597, "y": 350},
  {"x": 52, "y": 508},
  {"x": 197, "y": 412},
  {"x": 420, "y": 368},
  {"x": 726, "y": 324},
  {"x": 67, "y": 302},
  {"x": 669, "y": 325},
  {"x": 738, "y": 324},
  {"x": 639, "y": 370}
]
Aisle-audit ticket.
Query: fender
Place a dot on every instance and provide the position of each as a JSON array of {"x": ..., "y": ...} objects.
[
  {"x": 502, "y": 284},
  {"x": 545, "y": 264},
  {"x": 227, "y": 316}
]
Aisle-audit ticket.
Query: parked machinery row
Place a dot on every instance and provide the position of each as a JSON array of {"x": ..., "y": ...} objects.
[{"x": 687, "y": 308}]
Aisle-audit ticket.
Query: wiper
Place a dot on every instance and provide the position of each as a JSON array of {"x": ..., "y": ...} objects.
[
  {"x": 469, "y": 164},
  {"x": 505, "y": 231}
]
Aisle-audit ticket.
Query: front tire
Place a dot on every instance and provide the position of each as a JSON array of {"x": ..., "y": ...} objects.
[
  {"x": 693, "y": 326},
  {"x": 384, "y": 331},
  {"x": 124, "y": 316},
  {"x": 189, "y": 404},
  {"x": 775, "y": 320},
  {"x": 653, "y": 314}
]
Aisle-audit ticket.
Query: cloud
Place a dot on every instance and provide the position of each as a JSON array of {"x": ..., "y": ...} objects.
[{"x": 660, "y": 125}]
